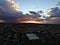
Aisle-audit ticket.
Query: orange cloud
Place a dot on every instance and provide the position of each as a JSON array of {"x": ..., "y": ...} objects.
[{"x": 14, "y": 5}]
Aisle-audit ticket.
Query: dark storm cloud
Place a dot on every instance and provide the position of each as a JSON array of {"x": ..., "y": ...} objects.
[
  {"x": 5, "y": 4},
  {"x": 7, "y": 7},
  {"x": 55, "y": 12},
  {"x": 8, "y": 13},
  {"x": 55, "y": 16}
]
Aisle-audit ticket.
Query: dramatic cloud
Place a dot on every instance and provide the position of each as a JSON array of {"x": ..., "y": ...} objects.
[
  {"x": 9, "y": 11},
  {"x": 4, "y": 4},
  {"x": 54, "y": 12},
  {"x": 9, "y": 5},
  {"x": 54, "y": 16}
]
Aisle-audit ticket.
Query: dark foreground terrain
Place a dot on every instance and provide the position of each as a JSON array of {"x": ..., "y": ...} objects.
[{"x": 15, "y": 34}]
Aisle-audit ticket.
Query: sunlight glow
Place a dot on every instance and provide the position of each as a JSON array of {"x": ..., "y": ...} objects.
[
  {"x": 47, "y": 14},
  {"x": 36, "y": 22},
  {"x": 14, "y": 5},
  {"x": 2, "y": 21}
]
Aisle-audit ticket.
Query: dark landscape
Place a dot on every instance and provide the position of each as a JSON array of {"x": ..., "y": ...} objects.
[{"x": 15, "y": 34}]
